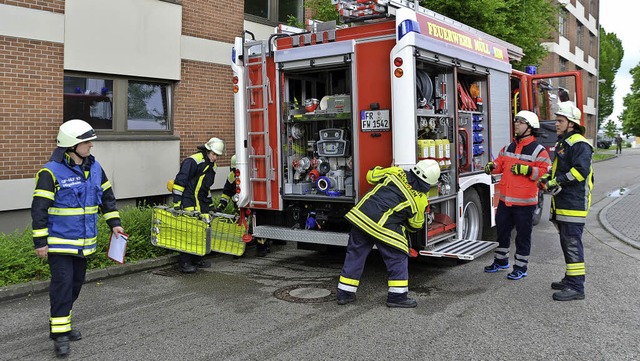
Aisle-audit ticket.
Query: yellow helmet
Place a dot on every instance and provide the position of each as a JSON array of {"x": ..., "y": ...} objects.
[{"x": 170, "y": 185}]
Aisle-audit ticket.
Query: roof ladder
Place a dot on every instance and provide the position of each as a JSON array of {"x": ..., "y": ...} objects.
[{"x": 257, "y": 100}]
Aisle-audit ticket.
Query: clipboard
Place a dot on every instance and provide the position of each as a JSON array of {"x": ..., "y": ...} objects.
[{"x": 117, "y": 247}]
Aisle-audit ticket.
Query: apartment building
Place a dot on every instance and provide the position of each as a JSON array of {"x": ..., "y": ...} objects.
[
  {"x": 152, "y": 77},
  {"x": 575, "y": 47}
]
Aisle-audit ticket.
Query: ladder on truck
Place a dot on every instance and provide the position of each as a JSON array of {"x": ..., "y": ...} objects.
[{"x": 257, "y": 100}]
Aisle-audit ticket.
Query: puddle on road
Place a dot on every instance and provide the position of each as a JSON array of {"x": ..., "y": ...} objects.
[{"x": 618, "y": 192}]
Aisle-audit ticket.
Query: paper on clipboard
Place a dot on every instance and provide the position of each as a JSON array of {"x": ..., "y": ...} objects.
[{"x": 117, "y": 247}]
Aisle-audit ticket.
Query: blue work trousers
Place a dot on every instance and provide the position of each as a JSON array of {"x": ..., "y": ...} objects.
[
  {"x": 360, "y": 244},
  {"x": 67, "y": 276},
  {"x": 520, "y": 217},
  {"x": 571, "y": 242}
]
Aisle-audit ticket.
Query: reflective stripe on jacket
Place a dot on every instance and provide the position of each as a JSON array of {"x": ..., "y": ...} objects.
[
  {"x": 390, "y": 206},
  {"x": 73, "y": 218},
  {"x": 573, "y": 171},
  {"x": 520, "y": 190},
  {"x": 193, "y": 183}
]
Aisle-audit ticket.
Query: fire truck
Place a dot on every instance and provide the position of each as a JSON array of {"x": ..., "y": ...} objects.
[{"x": 315, "y": 110}]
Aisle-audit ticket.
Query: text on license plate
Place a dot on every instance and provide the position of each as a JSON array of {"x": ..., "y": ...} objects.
[{"x": 374, "y": 120}]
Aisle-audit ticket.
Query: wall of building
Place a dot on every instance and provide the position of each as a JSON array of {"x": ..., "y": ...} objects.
[{"x": 187, "y": 42}]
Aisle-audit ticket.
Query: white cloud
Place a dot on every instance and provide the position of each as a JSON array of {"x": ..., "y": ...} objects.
[{"x": 615, "y": 17}]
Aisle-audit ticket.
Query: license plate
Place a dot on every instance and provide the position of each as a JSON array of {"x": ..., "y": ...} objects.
[{"x": 375, "y": 120}]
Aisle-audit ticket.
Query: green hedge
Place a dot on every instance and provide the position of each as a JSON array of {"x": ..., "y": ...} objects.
[{"x": 20, "y": 264}]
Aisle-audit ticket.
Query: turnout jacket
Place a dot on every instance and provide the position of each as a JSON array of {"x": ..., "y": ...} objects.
[
  {"x": 520, "y": 190},
  {"x": 573, "y": 172},
  {"x": 192, "y": 185},
  {"x": 66, "y": 202},
  {"x": 391, "y": 205}
]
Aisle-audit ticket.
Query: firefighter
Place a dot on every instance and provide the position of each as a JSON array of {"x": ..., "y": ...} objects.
[
  {"x": 70, "y": 191},
  {"x": 229, "y": 189},
  {"x": 397, "y": 203},
  {"x": 521, "y": 163},
  {"x": 191, "y": 191},
  {"x": 571, "y": 182}
]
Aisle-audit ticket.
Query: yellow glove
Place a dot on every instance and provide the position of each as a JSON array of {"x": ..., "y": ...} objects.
[
  {"x": 521, "y": 169},
  {"x": 489, "y": 167}
]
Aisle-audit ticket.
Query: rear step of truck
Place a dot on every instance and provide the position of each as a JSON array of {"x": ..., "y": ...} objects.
[{"x": 460, "y": 248}]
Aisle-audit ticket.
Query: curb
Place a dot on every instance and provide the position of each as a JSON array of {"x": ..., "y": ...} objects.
[
  {"x": 37, "y": 287},
  {"x": 603, "y": 220}
]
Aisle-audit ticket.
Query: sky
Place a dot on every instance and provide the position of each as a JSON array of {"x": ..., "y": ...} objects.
[{"x": 615, "y": 17}]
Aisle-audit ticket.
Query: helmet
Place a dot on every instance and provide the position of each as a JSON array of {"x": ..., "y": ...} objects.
[
  {"x": 530, "y": 117},
  {"x": 571, "y": 112},
  {"x": 233, "y": 161},
  {"x": 427, "y": 170},
  {"x": 170, "y": 185},
  {"x": 75, "y": 131},
  {"x": 215, "y": 145}
]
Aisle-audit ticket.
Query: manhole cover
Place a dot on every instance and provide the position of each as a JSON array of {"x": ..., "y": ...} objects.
[
  {"x": 307, "y": 293},
  {"x": 168, "y": 272}
]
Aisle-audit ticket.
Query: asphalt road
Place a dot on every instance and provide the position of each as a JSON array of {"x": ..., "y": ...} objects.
[{"x": 229, "y": 312}]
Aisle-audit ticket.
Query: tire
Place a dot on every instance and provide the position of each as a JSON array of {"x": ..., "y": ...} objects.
[
  {"x": 537, "y": 213},
  {"x": 472, "y": 218}
]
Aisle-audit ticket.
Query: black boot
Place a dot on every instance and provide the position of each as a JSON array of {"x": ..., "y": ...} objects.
[
  {"x": 74, "y": 335},
  {"x": 187, "y": 268},
  {"x": 400, "y": 300},
  {"x": 61, "y": 346},
  {"x": 262, "y": 247}
]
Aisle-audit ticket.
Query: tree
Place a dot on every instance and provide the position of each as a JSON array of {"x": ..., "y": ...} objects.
[
  {"x": 611, "y": 54},
  {"x": 610, "y": 129},
  {"x": 525, "y": 23},
  {"x": 631, "y": 105}
]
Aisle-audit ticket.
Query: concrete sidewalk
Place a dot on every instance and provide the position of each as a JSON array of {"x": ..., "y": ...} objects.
[{"x": 622, "y": 216}]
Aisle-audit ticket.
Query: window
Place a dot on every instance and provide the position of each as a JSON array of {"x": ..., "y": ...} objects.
[
  {"x": 563, "y": 67},
  {"x": 562, "y": 25},
  {"x": 274, "y": 11},
  {"x": 119, "y": 105},
  {"x": 579, "y": 35}
]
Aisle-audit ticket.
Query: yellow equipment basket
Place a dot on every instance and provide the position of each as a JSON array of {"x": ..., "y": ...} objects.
[{"x": 194, "y": 233}]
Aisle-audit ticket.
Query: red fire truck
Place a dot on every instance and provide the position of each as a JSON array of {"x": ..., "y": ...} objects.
[{"x": 314, "y": 111}]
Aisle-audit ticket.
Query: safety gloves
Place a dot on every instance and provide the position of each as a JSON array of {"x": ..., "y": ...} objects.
[
  {"x": 489, "y": 167},
  {"x": 546, "y": 184},
  {"x": 521, "y": 169},
  {"x": 222, "y": 205}
]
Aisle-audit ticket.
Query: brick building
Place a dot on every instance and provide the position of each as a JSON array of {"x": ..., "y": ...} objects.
[
  {"x": 575, "y": 47},
  {"x": 152, "y": 76}
]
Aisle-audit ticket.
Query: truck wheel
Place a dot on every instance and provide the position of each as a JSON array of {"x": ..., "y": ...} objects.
[
  {"x": 537, "y": 213},
  {"x": 471, "y": 215}
]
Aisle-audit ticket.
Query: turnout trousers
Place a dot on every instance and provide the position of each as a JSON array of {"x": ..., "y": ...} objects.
[
  {"x": 506, "y": 218},
  {"x": 397, "y": 263},
  {"x": 67, "y": 276},
  {"x": 571, "y": 242}
]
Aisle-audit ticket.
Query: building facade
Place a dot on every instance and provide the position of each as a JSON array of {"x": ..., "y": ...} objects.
[
  {"x": 576, "y": 47},
  {"x": 152, "y": 76}
]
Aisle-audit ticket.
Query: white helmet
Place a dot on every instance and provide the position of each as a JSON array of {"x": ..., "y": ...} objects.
[
  {"x": 427, "y": 170},
  {"x": 530, "y": 117},
  {"x": 75, "y": 131},
  {"x": 215, "y": 145},
  {"x": 571, "y": 112},
  {"x": 233, "y": 161}
]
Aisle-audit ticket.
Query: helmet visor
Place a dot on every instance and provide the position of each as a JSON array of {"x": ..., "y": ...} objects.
[{"x": 88, "y": 135}]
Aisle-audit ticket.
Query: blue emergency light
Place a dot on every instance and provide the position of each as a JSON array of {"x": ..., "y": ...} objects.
[
  {"x": 407, "y": 26},
  {"x": 531, "y": 69}
]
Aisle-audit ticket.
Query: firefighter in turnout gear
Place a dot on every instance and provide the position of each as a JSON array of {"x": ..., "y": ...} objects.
[
  {"x": 521, "y": 163},
  {"x": 396, "y": 204},
  {"x": 71, "y": 189},
  {"x": 571, "y": 182},
  {"x": 191, "y": 191}
]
